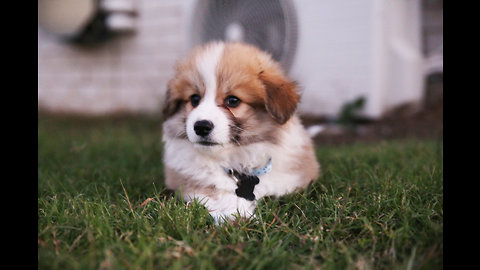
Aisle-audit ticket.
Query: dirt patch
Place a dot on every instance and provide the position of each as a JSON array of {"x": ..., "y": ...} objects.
[{"x": 424, "y": 121}]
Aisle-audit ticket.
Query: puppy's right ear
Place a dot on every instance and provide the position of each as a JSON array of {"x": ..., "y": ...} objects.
[{"x": 172, "y": 103}]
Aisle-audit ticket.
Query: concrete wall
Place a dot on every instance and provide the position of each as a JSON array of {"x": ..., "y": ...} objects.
[{"x": 128, "y": 73}]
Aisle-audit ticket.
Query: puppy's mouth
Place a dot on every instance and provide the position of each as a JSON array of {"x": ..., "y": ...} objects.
[{"x": 207, "y": 143}]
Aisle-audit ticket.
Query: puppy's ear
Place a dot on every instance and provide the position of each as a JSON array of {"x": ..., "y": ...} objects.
[
  {"x": 172, "y": 103},
  {"x": 281, "y": 97}
]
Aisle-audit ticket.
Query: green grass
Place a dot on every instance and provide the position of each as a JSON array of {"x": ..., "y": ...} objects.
[{"x": 375, "y": 206}]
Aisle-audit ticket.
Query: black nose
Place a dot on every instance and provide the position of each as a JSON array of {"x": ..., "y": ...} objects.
[{"x": 203, "y": 127}]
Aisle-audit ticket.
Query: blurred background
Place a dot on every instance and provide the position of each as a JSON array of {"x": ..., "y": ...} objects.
[{"x": 374, "y": 67}]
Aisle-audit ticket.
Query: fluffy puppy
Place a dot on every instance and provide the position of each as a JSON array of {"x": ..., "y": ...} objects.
[{"x": 230, "y": 131}]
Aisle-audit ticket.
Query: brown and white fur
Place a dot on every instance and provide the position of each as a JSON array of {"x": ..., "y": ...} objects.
[{"x": 263, "y": 125}]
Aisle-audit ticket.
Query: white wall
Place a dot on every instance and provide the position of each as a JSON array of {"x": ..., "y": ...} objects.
[
  {"x": 333, "y": 63},
  {"x": 397, "y": 55},
  {"x": 353, "y": 48}
]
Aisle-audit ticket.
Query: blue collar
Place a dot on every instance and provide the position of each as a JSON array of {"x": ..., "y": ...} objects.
[{"x": 262, "y": 171}]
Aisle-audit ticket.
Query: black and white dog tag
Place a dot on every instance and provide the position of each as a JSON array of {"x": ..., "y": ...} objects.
[{"x": 246, "y": 184}]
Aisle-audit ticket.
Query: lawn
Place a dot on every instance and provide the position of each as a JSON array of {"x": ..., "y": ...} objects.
[{"x": 102, "y": 205}]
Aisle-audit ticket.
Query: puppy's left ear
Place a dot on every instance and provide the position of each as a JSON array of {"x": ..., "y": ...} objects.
[{"x": 281, "y": 97}]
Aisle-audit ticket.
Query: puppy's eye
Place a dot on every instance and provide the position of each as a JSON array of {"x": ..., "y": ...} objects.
[
  {"x": 195, "y": 100},
  {"x": 232, "y": 101}
]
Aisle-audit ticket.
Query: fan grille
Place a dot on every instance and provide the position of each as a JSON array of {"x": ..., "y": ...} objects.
[{"x": 269, "y": 24}]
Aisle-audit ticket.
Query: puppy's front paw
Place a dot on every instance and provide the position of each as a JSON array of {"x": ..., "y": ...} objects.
[
  {"x": 244, "y": 209},
  {"x": 220, "y": 218},
  {"x": 228, "y": 207}
]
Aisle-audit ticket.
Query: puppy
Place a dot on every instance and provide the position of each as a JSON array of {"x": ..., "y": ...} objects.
[{"x": 230, "y": 131}]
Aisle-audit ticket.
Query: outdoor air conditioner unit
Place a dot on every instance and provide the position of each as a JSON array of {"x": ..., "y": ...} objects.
[{"x": 337, "y": 50}]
